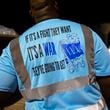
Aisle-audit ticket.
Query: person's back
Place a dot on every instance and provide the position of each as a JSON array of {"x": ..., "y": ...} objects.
[
  {"x": 55, "y": 62},
  {"x": 55, "y": 58}
]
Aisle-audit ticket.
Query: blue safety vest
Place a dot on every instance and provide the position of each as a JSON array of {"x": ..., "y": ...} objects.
[{"x": 42, "y": 94}]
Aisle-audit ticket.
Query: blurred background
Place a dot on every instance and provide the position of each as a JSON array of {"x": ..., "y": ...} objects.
[{"x": 14, "y": 14}]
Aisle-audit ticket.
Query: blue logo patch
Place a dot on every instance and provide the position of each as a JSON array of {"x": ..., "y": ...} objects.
[{"x": 72, "y": 50}]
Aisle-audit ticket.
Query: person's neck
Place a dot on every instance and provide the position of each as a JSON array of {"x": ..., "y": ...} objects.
[
  {"x": 45, "y": 17},
  {"x": 47, "y": 12}
]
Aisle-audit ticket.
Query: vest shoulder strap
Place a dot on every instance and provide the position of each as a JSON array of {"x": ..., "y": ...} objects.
[
  {"x": 18, "y": 62},
  {"x": 89, "y": 46}
]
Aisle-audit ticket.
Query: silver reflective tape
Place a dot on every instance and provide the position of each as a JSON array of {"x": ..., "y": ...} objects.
[
  {"x": 89, "y": 46},
  {"x": 18, "y": 63},
  {"x": 45, "y": 91}
]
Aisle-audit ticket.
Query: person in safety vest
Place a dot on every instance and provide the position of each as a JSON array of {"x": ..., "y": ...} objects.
[{"x": 55, "y": 63}]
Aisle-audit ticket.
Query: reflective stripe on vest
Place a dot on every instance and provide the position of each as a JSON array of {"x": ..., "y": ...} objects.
[
  {"x": 18, "y": 63},
  {"x": 89, "y": 45},
  {"x": 41, "y": 92}
]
